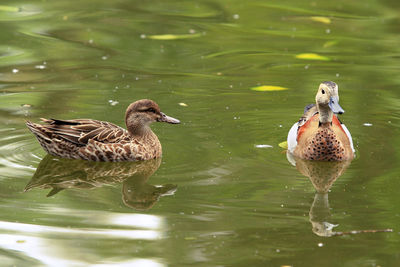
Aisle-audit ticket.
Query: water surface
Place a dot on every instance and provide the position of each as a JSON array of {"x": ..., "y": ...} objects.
[{"x": 217, "y": 198}]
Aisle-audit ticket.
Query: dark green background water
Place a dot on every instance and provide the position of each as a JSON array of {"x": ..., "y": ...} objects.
[{"x": 217, "y": 199}]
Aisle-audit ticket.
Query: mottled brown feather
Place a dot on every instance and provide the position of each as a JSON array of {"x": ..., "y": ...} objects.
[{"x": 326, "y": 142}]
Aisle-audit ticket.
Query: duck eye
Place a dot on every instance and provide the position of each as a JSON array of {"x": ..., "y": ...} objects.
[
  {"x": 323, "y": 91},
  {"x": 151, "y": 110}
]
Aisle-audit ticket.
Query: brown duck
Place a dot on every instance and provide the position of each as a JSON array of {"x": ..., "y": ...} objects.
[{"x": 104, "y": 141}]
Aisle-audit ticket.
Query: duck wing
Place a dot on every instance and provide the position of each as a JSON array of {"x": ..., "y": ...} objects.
[
  {"x": 309, "y": 111},
  {"x": 80, "y": 131}
]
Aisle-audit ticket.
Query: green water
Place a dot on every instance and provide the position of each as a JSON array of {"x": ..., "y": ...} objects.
[{"x": 215, "y": 198}]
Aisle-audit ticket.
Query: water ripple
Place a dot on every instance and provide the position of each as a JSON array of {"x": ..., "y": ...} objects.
[{"x": 16, "y": 152}]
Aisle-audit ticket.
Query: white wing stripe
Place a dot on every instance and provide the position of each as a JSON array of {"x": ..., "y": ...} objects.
[
  {"x": 349, "y": 136},
  {"x": 292, "y": 137}
]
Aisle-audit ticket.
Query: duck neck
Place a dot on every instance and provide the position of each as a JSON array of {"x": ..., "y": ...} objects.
[
  {"x": 325, "y": 114},
  {"x": 138, "y": 128}
]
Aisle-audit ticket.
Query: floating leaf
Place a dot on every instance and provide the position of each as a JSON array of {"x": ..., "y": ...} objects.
[
  {"x": 182, "y": 104},
  {"x": 330, "y": 43},
  {"x": 312, "y": 56},
  {"x": 283, "y": 145},
  {"x": 310, "y": 11},
  {"x": 268, "y": 88},
  {"x": 324, "y": 20},
  {"x": 9, "y": 8},
  {"x": 167, "y": 37}
]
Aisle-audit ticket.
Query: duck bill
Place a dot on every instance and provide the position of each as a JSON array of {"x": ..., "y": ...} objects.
[
  {"x": 168, "y": 119},
  {"x": 334, "y": 105}
]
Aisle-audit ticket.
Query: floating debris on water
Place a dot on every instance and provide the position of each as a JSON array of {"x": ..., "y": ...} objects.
[
  {"x": 312, "y": 56},
  {"x": 9, "y": 8},
  {"x": 15, "y": 70},
  {"x": 330, "y": 43},
  {"x": 182, "y": 104},
  {"x": 264, "y": 88},
  {"x": 113, "y": 102},
  {"x": 263, "y": 146},
  {"x": 324, "y": 20},
  {"x": 167, "y": 37},
  {"x": 367, "y": 124},
  {"x": 283, "y": 145}
]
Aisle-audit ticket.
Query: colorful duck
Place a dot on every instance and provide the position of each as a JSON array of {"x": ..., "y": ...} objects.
[
  {"x": 104, "y": 141},
  {"x": 319, "y": 135}
]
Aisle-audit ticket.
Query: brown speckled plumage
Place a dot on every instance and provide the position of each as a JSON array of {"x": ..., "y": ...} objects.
[
  {"x": 104, "y": 141},
  {"x": 324, "y": 146}
]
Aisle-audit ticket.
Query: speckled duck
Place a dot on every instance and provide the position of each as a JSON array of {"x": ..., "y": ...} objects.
[
  {"x": 319, "y": 135},
  {"x": 104, "y": 141}
]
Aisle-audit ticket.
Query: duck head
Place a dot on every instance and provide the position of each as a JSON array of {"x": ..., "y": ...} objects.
[
  {"x": 327, "y": 100},
  {"x": 328, "y": 94},
  {"x": 140, "y": 114}
]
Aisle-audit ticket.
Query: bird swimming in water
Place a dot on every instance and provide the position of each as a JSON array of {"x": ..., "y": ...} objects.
[
  {"x": 319, "y": 135},
  {"x": 104, "y": 141}
]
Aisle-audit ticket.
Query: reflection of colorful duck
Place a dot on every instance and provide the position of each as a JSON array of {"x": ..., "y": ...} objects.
[
  {"x": 60, "y": 174},
  {"x": 103, "y": 141},
  {"x": 319, "y": 135},
  {"x": 322, "y": 175},
  {"x": 320, "y": 214}
]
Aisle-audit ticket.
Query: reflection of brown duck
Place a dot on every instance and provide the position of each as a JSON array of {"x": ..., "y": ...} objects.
[
  {"x": 59, "y": 174},
  {"x": 322, "y": 175},
  {"x": 138, "y": 194}
]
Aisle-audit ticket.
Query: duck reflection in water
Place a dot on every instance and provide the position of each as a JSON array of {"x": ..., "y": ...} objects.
[
  {"x": 59, "y": 174},
  {"x": 322, "y": 175}
]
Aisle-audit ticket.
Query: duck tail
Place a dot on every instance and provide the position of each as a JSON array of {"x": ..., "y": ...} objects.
[{"x": 37, "y": 130}]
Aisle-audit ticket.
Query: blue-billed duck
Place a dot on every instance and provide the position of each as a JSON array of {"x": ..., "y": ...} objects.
[{"x": 319, "y": 135}]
